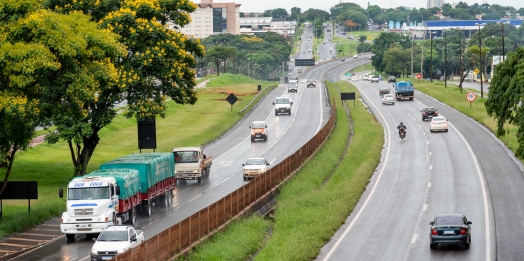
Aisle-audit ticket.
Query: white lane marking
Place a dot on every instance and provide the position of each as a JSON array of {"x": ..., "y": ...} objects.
[
  {"x": 414, "y": 239},
  {"x": 484, "y": 193},
  {"x": 339, "y": 240},
  {"x": 226, "y": 163},
  {"x": 273, "y": 160},
  {"x": 427, "y": 142},
  {"x": 429, "y": 184},
  {"x": 430, "y": 167},
  {"x": 195, "y": 198},
  {"x": 429, "y": 153},
  {"x": 425, "y": 207}
]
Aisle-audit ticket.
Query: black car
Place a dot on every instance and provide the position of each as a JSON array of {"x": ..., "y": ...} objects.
[
  {"x": 450, "y": 229},
  {"x": 428, "y": 113},
  {"x": 392, "y": 79}
]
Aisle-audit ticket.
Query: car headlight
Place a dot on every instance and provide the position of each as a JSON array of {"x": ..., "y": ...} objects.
[
  {"x": 94, "y": 251},
  {"x": 120, "y": 251}
]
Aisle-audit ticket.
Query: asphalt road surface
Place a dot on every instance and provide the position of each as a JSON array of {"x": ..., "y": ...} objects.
[{"x": 466, "y": 170}]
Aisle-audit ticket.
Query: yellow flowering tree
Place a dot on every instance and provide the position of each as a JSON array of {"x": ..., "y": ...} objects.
[{"x": 55, "y": 68}]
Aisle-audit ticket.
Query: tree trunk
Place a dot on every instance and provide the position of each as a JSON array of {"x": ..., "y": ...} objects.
[
  {"x": 9, "y": 167},
  {"x": 218, "y": 68},
  {"x": 83, "y": 154}
]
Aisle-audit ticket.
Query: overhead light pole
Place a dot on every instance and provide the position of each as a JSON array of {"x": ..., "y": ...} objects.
[
  {"x": 431, "y": 56},
  {"x": 480, "y": 58},
  {"x": 412, "y": 39},
  {"x": 460, "y": 57},
  {"x": 445, "y": 58},
  {"x": 502, "y": 24}
]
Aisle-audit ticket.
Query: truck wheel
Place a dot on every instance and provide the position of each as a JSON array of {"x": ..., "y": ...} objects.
[
  {"x": 70, "y": 237},
  {"x": 132, "y": 216},
  {"x": 199, "y": 180},
  {"x": 244, "y": 177}
]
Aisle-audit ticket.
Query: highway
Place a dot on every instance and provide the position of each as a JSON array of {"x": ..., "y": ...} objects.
[
  {"x": 466, "y": 170},
  {"x": 287, "y": 133}
]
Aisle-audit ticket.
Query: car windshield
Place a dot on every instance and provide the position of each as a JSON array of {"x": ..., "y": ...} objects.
[
  {"x": 113, "y": 236},
  {"x": 258, "y": 125},
  {"x": 255, "y": 162},
  {"x": 449, "y": 221},
  {"x": 282, "y": 101},
  {"x": 186, "y": 156}
]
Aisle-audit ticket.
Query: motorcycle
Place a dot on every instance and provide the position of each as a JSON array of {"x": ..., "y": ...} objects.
[{"x": 402, "y": 134}]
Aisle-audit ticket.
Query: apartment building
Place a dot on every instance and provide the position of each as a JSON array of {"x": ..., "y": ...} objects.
[{"x": 213, "y": 18}]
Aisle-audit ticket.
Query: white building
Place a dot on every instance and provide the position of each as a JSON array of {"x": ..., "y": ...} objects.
[
  {"x": 213, "y": 18},
  {"x": 435, "y": 3}
]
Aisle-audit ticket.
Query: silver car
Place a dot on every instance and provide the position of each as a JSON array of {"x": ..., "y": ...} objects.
[{"x": 388, "y": 99}]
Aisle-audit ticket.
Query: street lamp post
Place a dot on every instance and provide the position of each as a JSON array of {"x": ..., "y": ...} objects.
[
  {"x": 431, "y": 55},
  {"x": 412, "y": 39},
  {"x": 502, "y": 24},
  {"x": 480, "y": 58},
  {"x": 445, "y": 58},
  {"x": 460, "y": 56}
]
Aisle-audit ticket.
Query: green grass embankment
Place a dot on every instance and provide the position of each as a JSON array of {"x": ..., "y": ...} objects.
[
  {"x": 315, "y": 202},
  {"x": 452, "y": 97},
  {"x": 184, "y": 125}
]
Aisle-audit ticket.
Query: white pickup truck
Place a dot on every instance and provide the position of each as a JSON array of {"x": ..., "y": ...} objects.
[{"x": 115, "y": 240}]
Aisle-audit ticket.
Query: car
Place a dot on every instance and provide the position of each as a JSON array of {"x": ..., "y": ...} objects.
[
  {"x": 388, "y": 99},
  {"x": 365, "y": 77},
  {"x": 374, "y": 78},
  {"x": 254, "y": 167},
  {"x": 343, "y": 59},
  {"x": 292, "y": 86},
  {"x": 392, "y": 79},
  {"x": 428, "y": 113},
  {"x": 355, "y": 56},
  {"x": 283, "y": 105},
  {"x": 309, "y": 50},
  {"x": 311, "y": 83},
  {"x": 438, "y": 124},
  {"x": 324, "y": 43},
  {"x": 383, "y": 90},
  {"x": 258, "y": 130},
  {"x": 450, "y": 229}
]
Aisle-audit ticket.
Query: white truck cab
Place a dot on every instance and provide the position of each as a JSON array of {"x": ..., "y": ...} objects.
[{"x": 283, "y": 105}]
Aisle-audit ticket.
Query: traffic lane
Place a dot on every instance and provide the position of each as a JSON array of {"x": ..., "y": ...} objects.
[
  {"x": 503, "y": 174},
  {"x": 396, "y": 201},
  {"x": 453, "y": 187}
]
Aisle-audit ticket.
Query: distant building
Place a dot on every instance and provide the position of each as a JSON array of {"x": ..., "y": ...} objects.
[
  {"x": 213, "y": 18},
  {"x": 262, "y": 25},
  {"x": 435, "y": 3}
]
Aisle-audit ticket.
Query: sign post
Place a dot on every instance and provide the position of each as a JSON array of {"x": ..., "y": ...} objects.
[
  {"x": 470, "y": 96},
  {"x": 419, "y": 76}
]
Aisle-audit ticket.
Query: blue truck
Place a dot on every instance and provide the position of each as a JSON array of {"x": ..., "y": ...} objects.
[{"x": 404, "y": 90}]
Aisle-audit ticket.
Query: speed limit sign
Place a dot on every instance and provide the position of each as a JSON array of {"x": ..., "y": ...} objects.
[{"x": 471, "y": 96}]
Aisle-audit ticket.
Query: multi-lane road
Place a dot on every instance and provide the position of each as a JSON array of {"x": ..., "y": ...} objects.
[{"x": 465, "y": 170}]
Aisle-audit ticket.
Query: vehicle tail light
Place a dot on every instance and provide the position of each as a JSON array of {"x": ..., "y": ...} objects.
[
  {"x": 462, "y": 231},
  {"x": 436, "y": 112},
  {"x": 434, "y": 231},
  {"x": 423, "y": 112}
]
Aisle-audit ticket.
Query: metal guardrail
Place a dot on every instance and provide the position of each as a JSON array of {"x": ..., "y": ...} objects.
[
  {"x": 254, "y": 98},
  {"x": 181, "y": 237}
]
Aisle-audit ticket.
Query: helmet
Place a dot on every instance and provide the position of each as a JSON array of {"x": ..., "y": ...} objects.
[{"x": 401, "y": 123}]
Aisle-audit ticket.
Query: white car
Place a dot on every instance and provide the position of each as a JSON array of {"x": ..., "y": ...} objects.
[
  {"x": 388, "y": 99},
  {"x": 254, "y": 167},
  {"x": 283, "y": 105},
  {"x": 116, "y": 240},
  {"x": 355, "y": 56},
  {"x": 438, "y": 124},
  {"x": 374, "y": 78},
  {"x": 365, "y": 77}
]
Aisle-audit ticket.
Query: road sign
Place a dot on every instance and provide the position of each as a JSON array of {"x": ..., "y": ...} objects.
[
  {"x": 471, "y": 96},
  {"x": 419, "y": 76},
  {"x": 304, "y": 62},
  {"x": 476, "y": 71}
]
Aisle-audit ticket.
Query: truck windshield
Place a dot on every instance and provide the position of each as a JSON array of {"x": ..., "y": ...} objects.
[
  {"x": 186, "y": 156},
  {"x": 282, "y": 101},
  {"x": 113, "y": 236},
  {"x": 88, "y": 193}
]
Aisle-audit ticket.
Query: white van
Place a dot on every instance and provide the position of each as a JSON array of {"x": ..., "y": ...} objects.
[
  {"x": 292, "y": 86},
  {"x": 283, "y": 105}
]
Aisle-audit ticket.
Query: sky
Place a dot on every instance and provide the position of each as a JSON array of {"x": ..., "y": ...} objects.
[{"x": 248, "y": 6}]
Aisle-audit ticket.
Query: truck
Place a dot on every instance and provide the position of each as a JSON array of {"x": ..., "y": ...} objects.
[
  {"x": 115, "y": 240},
  {"x": 100, "y": 199},
  {"x": 192, "y": 163},
  {"x": 404, "y": 90},
  {"x": 156, "y": 172}
]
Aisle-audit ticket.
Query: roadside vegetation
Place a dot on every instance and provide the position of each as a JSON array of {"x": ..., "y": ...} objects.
[
  {"x": 331, "y": 182},
  {"x": 452, "y": 96},
  {"x": 50, "y": 164}
]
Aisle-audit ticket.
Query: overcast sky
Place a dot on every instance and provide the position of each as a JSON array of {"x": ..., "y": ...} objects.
[{"x": 262, "y": 5}]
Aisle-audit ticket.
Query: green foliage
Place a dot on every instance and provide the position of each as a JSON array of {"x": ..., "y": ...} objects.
[
  {"x": 364, "y": 48},
  {"x": 505, "y": 96},
  {"x": 311, "y": 14},
  {"x": 397, "y": 61},
  {"x": 384, "y": 42}
]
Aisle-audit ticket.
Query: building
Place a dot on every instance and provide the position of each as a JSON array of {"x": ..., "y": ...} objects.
[
  {"x": 262, "y": 25},
  {"x": 435, "y": 3},
  {"x": 213, "y": 18}
]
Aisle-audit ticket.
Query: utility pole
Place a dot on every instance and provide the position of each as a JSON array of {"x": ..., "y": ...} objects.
[
  {"x": 461, "y": 72},
  {"x": 445, "y": 61},
  {"x": 431, "y": 56},
  {"x": 480, "y": 58}
]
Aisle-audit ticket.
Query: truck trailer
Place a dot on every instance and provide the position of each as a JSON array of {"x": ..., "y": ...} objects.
[{"x": 404, "y": 90}]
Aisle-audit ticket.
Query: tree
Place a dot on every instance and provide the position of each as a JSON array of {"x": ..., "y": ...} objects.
[
  {"x": 383, "y": 42},
  {"x": 355, "y": 16},
  {"x": 54, "y": 68},
  {"x": 397, "y": 61},
  {"x": 295, "y": 12},
  {"x": 362, "y": 38},
  {"x": 374, "y": 10},
  {"x": 220, "y": 54},
  {"x": 157, "y": 63},
  {"x": 364, "y": 48},
  {"x": 505, "y": 96},
  {"x": 351, "y": 24}
]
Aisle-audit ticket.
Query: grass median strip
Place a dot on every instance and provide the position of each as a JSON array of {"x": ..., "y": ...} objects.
[
  {"x": 184, "y": 125},
  {"x": 316, "y": 202}
]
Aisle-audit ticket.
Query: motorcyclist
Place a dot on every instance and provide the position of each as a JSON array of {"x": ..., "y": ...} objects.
[{"x": 401, "y": 127}]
